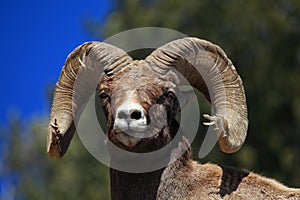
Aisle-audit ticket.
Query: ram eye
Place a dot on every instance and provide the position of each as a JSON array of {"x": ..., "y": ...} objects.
[
  {"x": 104, "y": 96},
  {"x": 166, "y": 96},
  {"x": 170, "y": 95}
]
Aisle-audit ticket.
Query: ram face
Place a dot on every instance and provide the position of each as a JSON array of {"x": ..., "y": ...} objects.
[{"x": 140, "y": 105}]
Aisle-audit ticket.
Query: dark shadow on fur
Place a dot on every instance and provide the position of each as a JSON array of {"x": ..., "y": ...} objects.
[{"x": 231, "y": 178}]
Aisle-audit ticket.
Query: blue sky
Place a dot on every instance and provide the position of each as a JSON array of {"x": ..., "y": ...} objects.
[{"x": 36, "y": 37}]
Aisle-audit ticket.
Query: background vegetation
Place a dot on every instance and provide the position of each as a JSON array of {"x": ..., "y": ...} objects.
[{"x": 261, "y": 37}]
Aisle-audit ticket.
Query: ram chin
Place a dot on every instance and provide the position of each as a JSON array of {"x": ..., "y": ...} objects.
[{"x": 127, "y": 140}]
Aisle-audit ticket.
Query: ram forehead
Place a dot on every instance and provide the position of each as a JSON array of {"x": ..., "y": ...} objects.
[{"x": 140, "y": 76}]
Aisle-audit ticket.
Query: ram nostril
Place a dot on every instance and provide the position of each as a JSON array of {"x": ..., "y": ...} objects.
[
  {"x": 136, "y": 114},
  {"x": 122, "y": 115}
]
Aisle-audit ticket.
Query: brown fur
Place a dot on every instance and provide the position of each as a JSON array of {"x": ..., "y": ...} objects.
[{"x": 208, "y": 181}]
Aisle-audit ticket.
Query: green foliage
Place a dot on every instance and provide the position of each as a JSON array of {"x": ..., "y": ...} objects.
[{"x": 76, "y": 176}]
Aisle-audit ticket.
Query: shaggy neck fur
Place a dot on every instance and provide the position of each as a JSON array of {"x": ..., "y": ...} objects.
[
  {"x": 134, "y": 186},
  {"x": 137, "y": 186}
]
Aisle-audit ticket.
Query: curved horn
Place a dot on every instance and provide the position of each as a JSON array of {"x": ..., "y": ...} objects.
[
  {"x": 89, "y": 60},
  {"x": 208, "y": 69}
]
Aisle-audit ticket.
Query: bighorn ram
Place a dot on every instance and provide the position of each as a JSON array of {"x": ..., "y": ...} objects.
[{"x": 129, "y": 89}]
